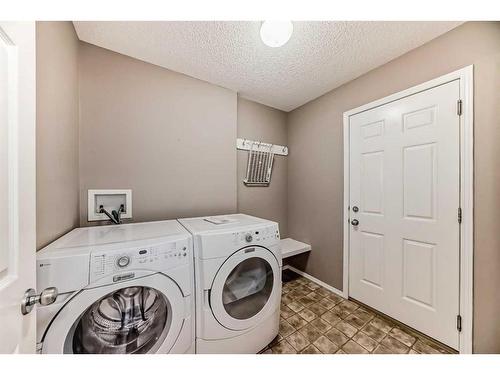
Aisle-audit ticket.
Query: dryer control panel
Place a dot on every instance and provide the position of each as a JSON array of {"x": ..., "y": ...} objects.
[
  {"x": 257, "y": 236},
  {"x": 220, "y": 244},
  {"x": 157, "y": 257}
]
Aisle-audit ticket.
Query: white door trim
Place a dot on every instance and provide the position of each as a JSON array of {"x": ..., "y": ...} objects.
[{"x": 465, "y": 76}]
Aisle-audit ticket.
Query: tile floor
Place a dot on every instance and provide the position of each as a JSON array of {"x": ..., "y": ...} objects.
[{"x": 315, "y": 320}]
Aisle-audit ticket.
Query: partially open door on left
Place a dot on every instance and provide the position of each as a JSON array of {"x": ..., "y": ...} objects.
[{"x": 17, "y": 184}]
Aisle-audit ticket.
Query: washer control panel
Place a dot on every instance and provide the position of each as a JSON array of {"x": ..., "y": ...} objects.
[{"x": 156, "y": 257}]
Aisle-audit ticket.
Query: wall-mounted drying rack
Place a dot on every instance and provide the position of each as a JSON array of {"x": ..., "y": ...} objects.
[
  {"x": 246, "y": 144},
  {"x": 260, "y": 160}
]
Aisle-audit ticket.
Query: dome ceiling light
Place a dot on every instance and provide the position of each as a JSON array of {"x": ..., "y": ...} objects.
[{"x": 276, "y": 33}]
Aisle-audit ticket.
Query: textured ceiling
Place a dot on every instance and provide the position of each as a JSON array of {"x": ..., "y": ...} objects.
[{"x": 319, "y": 57}]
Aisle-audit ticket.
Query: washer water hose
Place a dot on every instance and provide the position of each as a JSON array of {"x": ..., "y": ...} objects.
[{"x": 114, "y": 216}]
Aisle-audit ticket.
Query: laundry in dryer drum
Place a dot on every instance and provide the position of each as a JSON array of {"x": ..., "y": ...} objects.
[{"x": 241, "y": 285}]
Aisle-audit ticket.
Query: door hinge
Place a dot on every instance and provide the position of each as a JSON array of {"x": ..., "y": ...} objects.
[
  {"x": 459, "y": 215},
  {"x": 459, "y": 107},
  {"x": 459, "y": 323}
]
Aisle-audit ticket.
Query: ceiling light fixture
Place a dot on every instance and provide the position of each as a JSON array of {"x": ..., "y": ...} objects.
[{"x": 276, "y": 33}]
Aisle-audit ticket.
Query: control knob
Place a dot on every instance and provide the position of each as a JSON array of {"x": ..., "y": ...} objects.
[
  {"x": 248, "y": 237},
  {"x": 123, "y": 261}
]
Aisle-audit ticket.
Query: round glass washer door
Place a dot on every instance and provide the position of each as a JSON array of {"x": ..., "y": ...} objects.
[
  {"x": 131, "y": 320},
  {"x": 246, "y": 287},
  {"x": 143, "y": 315}
]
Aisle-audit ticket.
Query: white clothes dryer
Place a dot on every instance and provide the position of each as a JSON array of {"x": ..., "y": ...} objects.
[
  {"x": 238, "y": 282},
  {"x": 121, "y": 289}
]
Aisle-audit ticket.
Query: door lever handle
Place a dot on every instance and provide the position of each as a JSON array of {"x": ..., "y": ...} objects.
[{"x": 355, "y": 222}]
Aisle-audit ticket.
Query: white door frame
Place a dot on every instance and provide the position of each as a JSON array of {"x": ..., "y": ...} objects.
[{"x": 465, "y": 76}]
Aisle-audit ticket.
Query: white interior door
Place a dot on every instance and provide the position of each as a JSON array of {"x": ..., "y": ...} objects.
[
  {"x": 17, "y": 184},
  {"x": 405, "y": 186}
]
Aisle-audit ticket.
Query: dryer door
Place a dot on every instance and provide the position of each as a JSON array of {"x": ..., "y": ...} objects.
[
  {"x": 143, "y": 315},
  {"x": 246, "y": 288}
]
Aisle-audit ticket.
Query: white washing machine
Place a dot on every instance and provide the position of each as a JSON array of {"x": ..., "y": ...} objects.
[
  {"x": 121, "y": 289},
  {"x": 238, "y": 282}
]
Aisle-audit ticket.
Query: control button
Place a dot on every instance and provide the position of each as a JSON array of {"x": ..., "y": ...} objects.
[
  {"x": 248, "y": 237},
  {"x": 123, "y": 261}
]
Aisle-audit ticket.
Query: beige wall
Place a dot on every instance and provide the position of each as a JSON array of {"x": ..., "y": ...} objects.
[
  {"x": 57, "y": 187},
  {"x": 262, "y": 123},
  {"x": 315, "y": 166},
  {"x": 168, "y": 137}
]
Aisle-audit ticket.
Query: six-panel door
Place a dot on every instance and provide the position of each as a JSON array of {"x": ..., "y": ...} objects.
[{"x": 404, "y": 179}]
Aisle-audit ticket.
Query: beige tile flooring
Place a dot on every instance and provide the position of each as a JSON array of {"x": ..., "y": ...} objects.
[{"x": 315, "y": 320}]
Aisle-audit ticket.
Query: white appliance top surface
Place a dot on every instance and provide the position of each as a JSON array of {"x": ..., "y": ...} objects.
[
  {"x": 221, "y": 223},
  {"x": 109, "y": 234}
]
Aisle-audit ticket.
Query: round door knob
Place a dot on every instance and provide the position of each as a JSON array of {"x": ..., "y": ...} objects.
[
  {"x": 248, "y": 238},
  {"x": 123, "y": 261},
  {"x": 30, "y": 299},
  {"x": 355, "y": 222},
  {"x": 48, "y": 296}
]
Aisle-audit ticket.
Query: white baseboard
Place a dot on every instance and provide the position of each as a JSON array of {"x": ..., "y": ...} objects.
[{"x": 317, "y": 281}]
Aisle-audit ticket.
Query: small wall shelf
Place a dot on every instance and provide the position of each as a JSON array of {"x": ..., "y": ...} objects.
[{"x": 291, "y": 247}]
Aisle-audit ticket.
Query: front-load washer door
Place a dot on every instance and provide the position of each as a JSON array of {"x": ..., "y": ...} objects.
[
  {"x": 246, "y": 288},
  {"x": 143, "y": 315}
]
